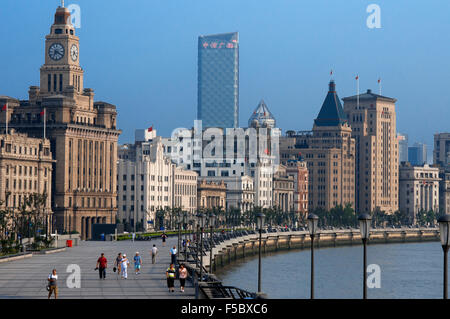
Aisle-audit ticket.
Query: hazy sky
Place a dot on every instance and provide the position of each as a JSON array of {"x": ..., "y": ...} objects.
[{"x": 141, "y": 55}]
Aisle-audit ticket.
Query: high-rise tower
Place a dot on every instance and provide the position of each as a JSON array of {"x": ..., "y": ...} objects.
[
  {"x": 373, "y": 121},
  {"x": 218, "y": 80}
]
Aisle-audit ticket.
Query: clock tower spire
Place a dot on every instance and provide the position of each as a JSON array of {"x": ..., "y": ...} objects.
[{"x": 61, "y": 69}]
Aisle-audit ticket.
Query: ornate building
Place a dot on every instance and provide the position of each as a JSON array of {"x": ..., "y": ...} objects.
[
  {"x": 329, "y": 151},
  {"x": 25, "y": 169},
  {"x": 211, "y": 194},
  {"x": 283, "y": 190},
  {"x": 373, "y": 121},
  {"x": 419, "y": 189},
  {"x": 82, "y": 133}
]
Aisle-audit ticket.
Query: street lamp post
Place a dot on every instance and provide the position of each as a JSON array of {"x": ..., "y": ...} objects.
[
  {"x": 185, "y": 234},
  {"x": 201, "y": 220},
  {"x": 260, "y": 219},
  {"x": 313, "y": 221},
  {"x": 364, "y": 226},
  {"x": 211, "y": 221},
  {"x": 444, "y": 227},
  {"x": 179, "y": 222}
]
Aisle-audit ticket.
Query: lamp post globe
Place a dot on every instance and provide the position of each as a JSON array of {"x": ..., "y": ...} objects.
[
  {"x": 313, "y": 222},
  {"x": 444, "y": 229},
  {"x": 364, "y": 225}
]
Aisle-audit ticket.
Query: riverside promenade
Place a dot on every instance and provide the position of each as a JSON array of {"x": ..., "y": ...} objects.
[{"x": 27, "y": 278}]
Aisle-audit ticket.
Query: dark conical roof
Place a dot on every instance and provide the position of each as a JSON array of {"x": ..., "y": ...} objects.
[{"x": 331, "y": 113}]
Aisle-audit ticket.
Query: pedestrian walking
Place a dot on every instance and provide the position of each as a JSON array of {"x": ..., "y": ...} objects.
[
  {"x": 52, "y": 284},
  {"x": 102, "y": 264},
  {"x": 137, "y": 263},
  {"x": 170, "y": 275},
  {"x": 154, "y": 253},
  {"x": 124, "y": 262},
  {"x": 163, "y": 237},
  {"x": 173, "y": 255},
  {"x": 183, "y": 273},
  {"x": 117, "y": 264}
]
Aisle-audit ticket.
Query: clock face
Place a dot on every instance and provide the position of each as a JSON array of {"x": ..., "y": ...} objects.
[
  {"x": 56, "y": 51},
  {"x": 74, "y": 52}
]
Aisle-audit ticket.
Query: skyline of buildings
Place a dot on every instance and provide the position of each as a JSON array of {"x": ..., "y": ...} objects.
[{"x": 351, "y": 156}]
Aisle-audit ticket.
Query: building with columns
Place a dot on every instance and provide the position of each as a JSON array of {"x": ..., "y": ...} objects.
[
  {"x": 283, "y": 190},
  {"x": 419, "y": 189},
  {"x": 82, "y": 133},
  {"x": 372, "y": 118},
  {"x": 240, "y": 191},
  {"x": 444, "y": 189},
  {"x": 26, "y": 167},
  {"x": 211, "y": 194}
]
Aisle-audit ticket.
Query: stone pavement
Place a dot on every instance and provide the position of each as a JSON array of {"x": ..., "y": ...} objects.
[{"x": 27, "y": 278}]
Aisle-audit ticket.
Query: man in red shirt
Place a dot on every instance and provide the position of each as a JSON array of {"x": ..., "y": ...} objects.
[{"x": 102, "y": 264}]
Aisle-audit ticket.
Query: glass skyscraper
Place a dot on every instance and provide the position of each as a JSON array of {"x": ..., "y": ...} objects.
[{"x": 218, "y": 80}]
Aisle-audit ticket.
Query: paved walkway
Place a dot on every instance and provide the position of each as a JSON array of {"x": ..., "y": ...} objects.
[{"x": 27, "y": 278}]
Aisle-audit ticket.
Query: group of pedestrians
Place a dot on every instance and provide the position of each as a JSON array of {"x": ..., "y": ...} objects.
[{"x": 122, "y": 263}]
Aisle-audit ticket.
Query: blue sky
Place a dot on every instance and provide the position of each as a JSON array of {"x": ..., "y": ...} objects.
[{"x": 141, "y": 55}]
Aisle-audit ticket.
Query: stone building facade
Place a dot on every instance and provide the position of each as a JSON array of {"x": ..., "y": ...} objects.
[
  {"x": 297, "y": 168},
  {"x": 419, "y": 189},
  {"x": 211, "y": 195},
  {"x": 329, "y": 151},
  {"x": 240, "y": 191},
  {"x": 372, "y": 118},
  {"x": 26, "y": 167},
  {"x": 148, "y": 181},
  {"x": 283, "y": 190},
  {"x": 444, "y": 189},
  {"x": 82, "y": 133}
]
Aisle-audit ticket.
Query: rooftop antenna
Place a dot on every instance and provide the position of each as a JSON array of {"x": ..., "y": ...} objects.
[{"x": 62, "y": 3}]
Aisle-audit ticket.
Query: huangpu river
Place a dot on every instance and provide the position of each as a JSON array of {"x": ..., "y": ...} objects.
[{"x": 410, "y": 270}]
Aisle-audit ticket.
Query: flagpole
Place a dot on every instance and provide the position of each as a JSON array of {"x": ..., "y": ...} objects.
[
  {"x": 357, "y": 91},
  {"x": 379, "y": 86},
  {"x": 6, "y": 119}
]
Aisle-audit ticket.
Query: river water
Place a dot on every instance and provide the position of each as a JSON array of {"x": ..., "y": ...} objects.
[{"x": 410, "y": 270}]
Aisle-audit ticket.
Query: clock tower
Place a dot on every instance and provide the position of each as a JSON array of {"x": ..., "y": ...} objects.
[{"x": 62, "y": 65}]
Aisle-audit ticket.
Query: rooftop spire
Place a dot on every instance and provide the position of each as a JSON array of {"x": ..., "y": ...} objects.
[{"x": 331, "y": 113}]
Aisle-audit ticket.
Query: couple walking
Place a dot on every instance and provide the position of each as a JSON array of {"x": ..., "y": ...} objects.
[
  {"x": 171, "y": 274},
  {"x": 122, "y": 263}
]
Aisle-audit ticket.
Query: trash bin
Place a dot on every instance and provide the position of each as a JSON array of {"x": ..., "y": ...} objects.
[
  {"x": 69, "y": 243},
  {"x": 102, "y": 237}
]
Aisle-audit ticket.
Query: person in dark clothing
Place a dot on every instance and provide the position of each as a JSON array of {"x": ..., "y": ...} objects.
[
  {"x": 170, "y": 275},
  {"x": 102, "y": 264}
]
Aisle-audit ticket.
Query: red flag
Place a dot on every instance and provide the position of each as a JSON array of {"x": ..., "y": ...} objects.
[
  {"x": 42, "y": 112},
  {"x": 357, "y": 77},
  {"x": 266, "y": 151},
  {"x": 331, "y": 72},
  {"x": 379, "y": 80},
  {"x": 150, "y": 128},
  {"x": 4, "y": 108}
]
